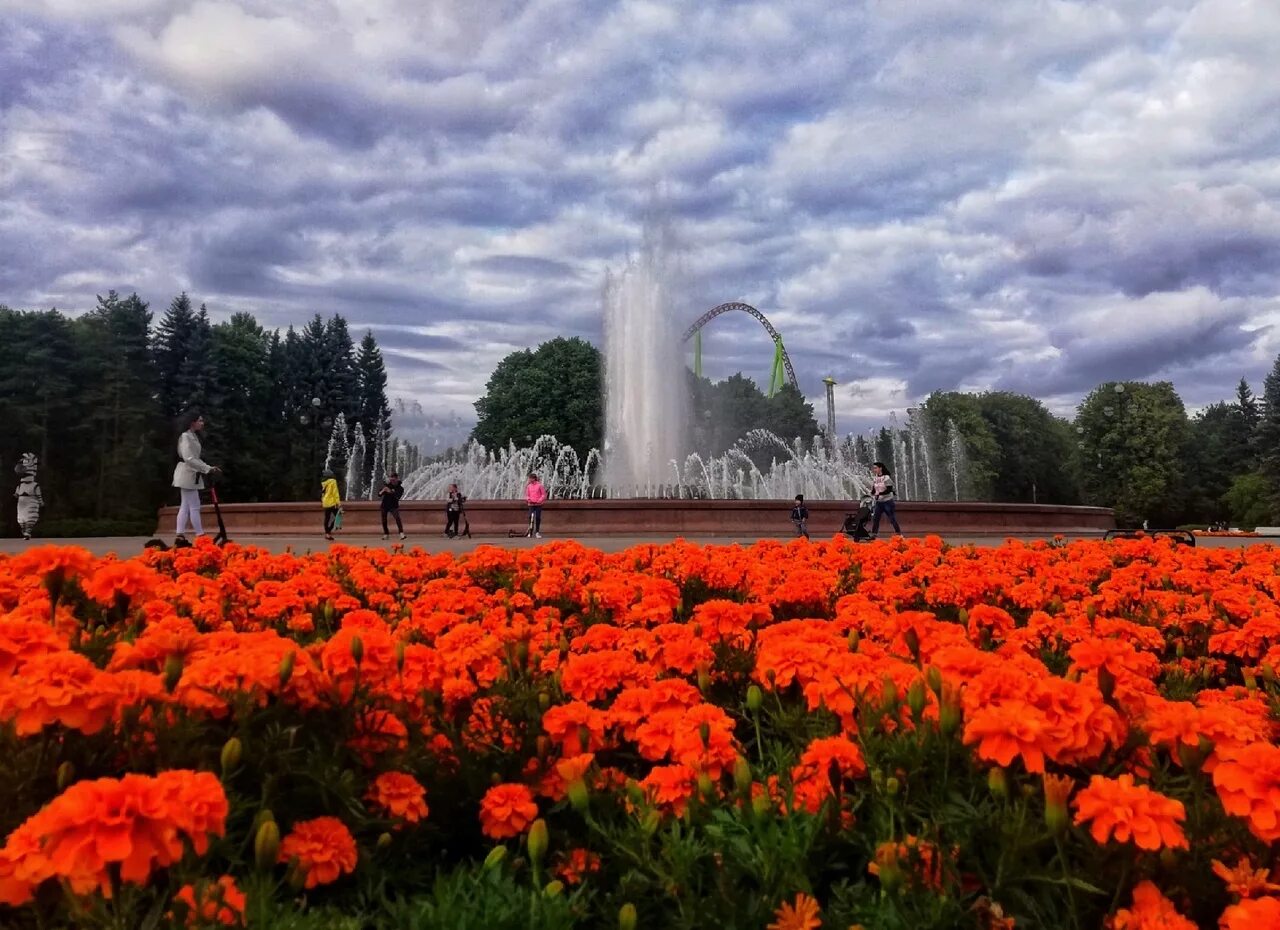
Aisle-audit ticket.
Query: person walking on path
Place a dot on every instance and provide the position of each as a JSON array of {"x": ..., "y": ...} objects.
[
  {"x": 800, "y": 517},
  {"x": 188, "y": 478},
  {"x": 535, "y": 495},
  {"x": 453, "y": 511},
  {"x": 331, "y": 501},
  {"x": 30, "y": 500},
  {"x": 882, "y": 493},
  {"x": 390, "y": 494}
]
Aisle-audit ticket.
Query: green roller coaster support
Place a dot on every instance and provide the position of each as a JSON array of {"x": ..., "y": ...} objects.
[
  {"x": 697, "y": 353},
  {"x": 778, "y": 377}
]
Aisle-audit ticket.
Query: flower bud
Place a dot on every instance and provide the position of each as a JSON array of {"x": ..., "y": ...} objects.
[
  {"x": 998, "y": 783},
  {"x": 916, "y": 698},
  {"x": 357, "y": 649},
  {"x": 1091, "y": 611},
  {"x": 66, "y": 775},
  {"x": 584, "y": 737},
  {"x": 553, "y": 889},
  {"x": 742, "y": 775},
  {"x": 755, "y": 698},
  {"x": 892, "y": 786},
  {"x": 1106, "y": 683},
  {"x": 1055, "y": 817},
  {"x": 522, "y": 652},
  {"x": 286, "y": 668},
  {"x": 649, "y": 825},
  {"x": 496, "y": 857},
  {"x": 635, "y": 794},
  {"x": 328, "y": 611},
  {"x": 266, "y": 845},
  {"x": 172, "y": 672},
  {"x": 761, "y": 805},
  {"x": 296, "y": 876},
  {"x": 579, "y": 797},
  {"x": 542, "y": 746},
  {"x": 384, "y": 840},
  {"x": 1057, "y": 789},
  {"x": 537, "y": 842},
  {"x": 949, "y": 718},
  {"x": 704, "y": 679},
  {"x": 853, "y": 640},
  {"x": 706, "y": 787},
  {"x": 627, "y": 917},
  {"x": 704, "y": 733},
  {"x": 232, "y": 751},
  {"x": 933, "y": 677},
  {"x": 912, "y": 639},
  {"x": 400, "y": 655},
  {"x": 889, "y": 693},
  {"x": 544, "y": 701}
]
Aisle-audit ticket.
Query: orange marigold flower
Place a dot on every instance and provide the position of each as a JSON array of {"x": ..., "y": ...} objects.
[
  {"x": 1253, "y": 914},
  {"x": 399, "y": 795},
  {"x": 60, "y": 687},
  {"x": 1248, "y": 782},
  {"x": 804, "y": 914},
  {"x": 324, "y": 848},
  {"x": 135, "y": 822},
  {"x": 1007, "y": 730},
  {"x": 1130, "y": 812},
  {"x": 576, "y": 865},
  {"x": 1244, "y": 880},
  {"x": 507, "y": 810},
  {"x": 1151, "y": 910},
  {"x": 221, "y": 903}
]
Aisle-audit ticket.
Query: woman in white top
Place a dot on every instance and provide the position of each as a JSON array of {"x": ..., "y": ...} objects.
[{"x": 188, "y": 477}]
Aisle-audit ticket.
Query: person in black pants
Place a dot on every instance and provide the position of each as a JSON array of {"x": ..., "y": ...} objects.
[
  {"x": 453, "y": 511},
  {"x": 390, "y": 494}
]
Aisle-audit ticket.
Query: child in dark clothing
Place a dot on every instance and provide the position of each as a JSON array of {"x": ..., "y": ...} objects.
[
  {"x": 453, "y": 511},
  {"x": 390, "y": 495},
  {"x": 800, "y": 517}
]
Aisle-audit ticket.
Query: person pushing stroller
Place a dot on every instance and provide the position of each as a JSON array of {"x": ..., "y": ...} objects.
[{"x": 885, "y": 499}]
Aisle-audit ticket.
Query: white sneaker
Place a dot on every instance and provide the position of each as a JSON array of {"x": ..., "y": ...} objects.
[
  {"x": 539, "y": 535},
  {"x": 385, "y": 536},
  {"x": 402, "y": 536}
]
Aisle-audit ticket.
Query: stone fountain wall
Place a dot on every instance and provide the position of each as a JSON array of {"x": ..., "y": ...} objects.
[{"x": 658, "y": 518}]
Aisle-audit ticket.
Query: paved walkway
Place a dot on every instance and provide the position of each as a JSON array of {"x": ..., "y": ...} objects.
[{"x": 132, "y": 545}]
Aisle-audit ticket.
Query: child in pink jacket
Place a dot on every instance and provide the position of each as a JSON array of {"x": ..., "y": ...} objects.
[{"x": 534, "y": 495}]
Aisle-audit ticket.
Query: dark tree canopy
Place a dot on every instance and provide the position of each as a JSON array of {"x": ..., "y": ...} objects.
[
  {"x": 556, "y": 389},
  {"x": 98, "y": 397}
]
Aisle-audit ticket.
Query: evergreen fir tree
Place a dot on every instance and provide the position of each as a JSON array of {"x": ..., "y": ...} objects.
[{"x": 1268, "y": 436}]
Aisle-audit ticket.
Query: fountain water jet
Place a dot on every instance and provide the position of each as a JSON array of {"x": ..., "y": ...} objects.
[{"x": 645, "y": 387}]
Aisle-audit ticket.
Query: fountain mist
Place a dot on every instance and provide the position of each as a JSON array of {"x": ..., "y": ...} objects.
[{"x": 645, "y": 386}]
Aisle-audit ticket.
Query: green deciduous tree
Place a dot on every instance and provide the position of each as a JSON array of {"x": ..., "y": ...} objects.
[
  {"x": 1133, "y": 447},
  {"x": 556, "y": 389},
  {"x": 981, "y": 451}
]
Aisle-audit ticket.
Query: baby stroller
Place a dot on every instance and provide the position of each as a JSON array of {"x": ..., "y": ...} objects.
[{"x": 855, "y": 524}]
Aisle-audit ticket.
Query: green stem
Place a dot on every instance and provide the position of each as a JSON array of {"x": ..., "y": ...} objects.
[{"x": 1066, "y": 878}]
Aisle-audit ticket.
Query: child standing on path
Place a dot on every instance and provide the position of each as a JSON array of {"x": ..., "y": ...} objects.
[
  {"x": 390, "y": 495},
  {"x": 882, "y": 491},
  {"x": 535, "y": 495},
  {"x": 800, "y": 517},
  {"x": 30, "y": 500},
  {"x": 331, "y": 501}
]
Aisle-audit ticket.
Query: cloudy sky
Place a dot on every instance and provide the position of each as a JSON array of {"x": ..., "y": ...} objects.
[{"x": 1026, "y": 194}]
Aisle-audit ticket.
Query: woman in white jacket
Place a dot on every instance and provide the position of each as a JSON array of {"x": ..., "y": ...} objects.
[{"x": 188, "y": 477}]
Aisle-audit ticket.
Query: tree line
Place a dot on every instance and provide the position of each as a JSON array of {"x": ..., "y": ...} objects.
[{"x": 100, "y": 396}]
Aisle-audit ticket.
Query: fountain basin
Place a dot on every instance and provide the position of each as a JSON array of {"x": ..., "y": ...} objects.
[{"x": 645, "y": 517}]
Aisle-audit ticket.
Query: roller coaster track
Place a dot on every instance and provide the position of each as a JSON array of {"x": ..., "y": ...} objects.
[{"x": 768, "y": 327}]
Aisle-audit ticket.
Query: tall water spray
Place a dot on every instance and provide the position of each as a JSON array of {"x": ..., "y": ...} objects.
[{"x": 646, "y": 395}]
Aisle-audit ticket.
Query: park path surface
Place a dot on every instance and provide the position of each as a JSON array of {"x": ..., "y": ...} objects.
[{"x": 132, "y": 545}]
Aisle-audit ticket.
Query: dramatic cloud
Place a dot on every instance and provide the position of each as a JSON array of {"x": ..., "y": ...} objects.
[{"x": 1035, "y": 195}]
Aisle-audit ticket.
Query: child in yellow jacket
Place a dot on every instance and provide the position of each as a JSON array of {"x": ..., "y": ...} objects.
[{"x": 331, "y": 500}]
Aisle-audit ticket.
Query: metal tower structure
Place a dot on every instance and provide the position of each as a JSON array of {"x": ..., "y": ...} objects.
[{"x": 830, "y": 382}]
